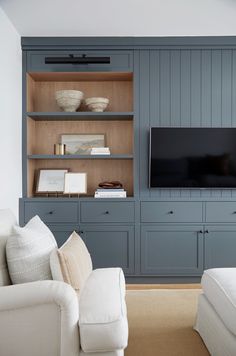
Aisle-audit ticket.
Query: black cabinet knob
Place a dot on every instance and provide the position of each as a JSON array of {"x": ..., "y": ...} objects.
[
  {"x": 206, "y": 231},
  {"x": 81, "y": 232},
  {"x": 107, "y": 212},
  {"x": 200, "y": 232},
  {"x": 50, "y": 212},
  {"x": 171, "y": 212},
  {"x": 234, "y": 212}
]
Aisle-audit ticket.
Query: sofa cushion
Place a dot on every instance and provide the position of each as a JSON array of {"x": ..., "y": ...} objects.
[
  {"x": 7, "y": 221},
  {"x": 28, "y": 252},
  {"x": 102, "y": 313},
  {"x": 220, "y": 289},
  {"x": 71, "y": 263}
]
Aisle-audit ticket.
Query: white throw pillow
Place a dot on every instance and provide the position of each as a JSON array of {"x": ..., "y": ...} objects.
[{"x": 28, "y": 252}]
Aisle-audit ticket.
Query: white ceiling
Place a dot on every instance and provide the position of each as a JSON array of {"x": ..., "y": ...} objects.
[{"x": 122, "y": 17}]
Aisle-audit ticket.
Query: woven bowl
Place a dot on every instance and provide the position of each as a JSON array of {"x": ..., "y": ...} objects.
[
  {"x": 97, "y": 104},
  {"x": 69, "y": 100}
]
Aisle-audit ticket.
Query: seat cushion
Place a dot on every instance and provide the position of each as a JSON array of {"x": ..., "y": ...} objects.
[
  {"x": 219, "y": 287},
  {"x": 28, "y": 252},
  {"x": 102, "y": 311},
  {"x": 71, "y": 263},
  {"x": 7, "y": 221}
]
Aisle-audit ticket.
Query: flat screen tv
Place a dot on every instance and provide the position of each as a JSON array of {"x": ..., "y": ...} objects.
[{"x": 192, "y": 158}]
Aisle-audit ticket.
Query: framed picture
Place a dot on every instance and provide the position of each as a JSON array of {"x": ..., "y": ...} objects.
[
  {"x": 81, "y": 144},
  {"x": 51, "y": 180},
  {"x": 75, "y": 183}
]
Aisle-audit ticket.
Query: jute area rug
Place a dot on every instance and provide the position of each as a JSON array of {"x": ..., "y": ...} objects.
[{"x": 161, "y": 323}]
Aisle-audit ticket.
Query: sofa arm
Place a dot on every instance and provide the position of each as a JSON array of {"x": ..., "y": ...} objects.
[
  {"x": 103, "y": 317},
  {"x": 39, "y": 318}
]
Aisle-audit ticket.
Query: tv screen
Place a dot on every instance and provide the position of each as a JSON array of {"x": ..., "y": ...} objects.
[{"x": 192, "y": 158}]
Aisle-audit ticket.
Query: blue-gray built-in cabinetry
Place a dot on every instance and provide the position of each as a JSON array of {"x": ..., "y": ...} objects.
[{"x": 155, "y": 235}]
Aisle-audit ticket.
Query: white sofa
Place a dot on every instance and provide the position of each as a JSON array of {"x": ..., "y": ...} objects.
[
  {"x": 216, "y": 315},
  {"x": 48, "y": 318}
]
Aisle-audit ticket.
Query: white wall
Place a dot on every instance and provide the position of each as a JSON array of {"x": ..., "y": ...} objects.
[
  {"x": 10, "y": 115},
  {"x": 122, "y": 17}
]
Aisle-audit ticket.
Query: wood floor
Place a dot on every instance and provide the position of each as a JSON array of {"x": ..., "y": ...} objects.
[{"x": 162, "y": 286}]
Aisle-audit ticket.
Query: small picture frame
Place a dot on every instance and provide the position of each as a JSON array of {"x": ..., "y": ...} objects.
[
  {"x": 75, "y": 183},
  {"x": 51, "y": 180},
  {"x": 81, "y": 144}
]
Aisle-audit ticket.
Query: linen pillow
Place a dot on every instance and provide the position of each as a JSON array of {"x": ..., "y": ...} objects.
[
  {"x": 28, "y": 252},
  {"x": 71, "y": 263}
]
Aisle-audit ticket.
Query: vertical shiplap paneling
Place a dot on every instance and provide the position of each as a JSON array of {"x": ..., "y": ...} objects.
[
  {"x": 175, "y": 118},
  {"x": 195, "y": 89},
  {"x": 226, "y": 91},
  {"x": 192, "y": 88},
  {"x": 233, "y": 95},
  {"x": 154, "y": 98},
  {"x": 164, "y": 93},
  {"x": 185, "y": 87},
  {"x": 216, "y": 91},
  {"x": 206, "y": 88}
]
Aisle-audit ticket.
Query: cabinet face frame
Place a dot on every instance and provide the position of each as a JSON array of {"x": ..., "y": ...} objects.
[{"x": 124, "y": 165}]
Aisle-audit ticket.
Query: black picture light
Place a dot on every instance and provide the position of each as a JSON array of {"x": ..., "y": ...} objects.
[{"x": 77, "y": 60}]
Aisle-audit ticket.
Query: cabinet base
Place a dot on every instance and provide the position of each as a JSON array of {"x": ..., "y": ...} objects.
[{"x": 162, "y": 280}]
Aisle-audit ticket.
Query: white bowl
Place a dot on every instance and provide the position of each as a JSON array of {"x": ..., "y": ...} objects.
[
  {"x": 97, "y": 104},
  {"x": 69, "y": 100}
]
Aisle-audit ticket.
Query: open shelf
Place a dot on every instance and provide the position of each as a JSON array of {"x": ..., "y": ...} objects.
[
  {"x": 98, "y": 170},
  {"x": 43, "y": 134},
  {"x": 86, "y": 115},
  {"x": 66, "y": 157},
  {"x": 117, "y": 87}
]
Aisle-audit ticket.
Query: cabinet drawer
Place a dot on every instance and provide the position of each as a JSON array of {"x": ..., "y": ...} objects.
[
  {"x": 50, "y": 212},
  {"x": 156, "y": 212},
  {"x": 119, "y": 61},
  {"x": 221, "y": 212},
  {"x": 107, "y": 212}
]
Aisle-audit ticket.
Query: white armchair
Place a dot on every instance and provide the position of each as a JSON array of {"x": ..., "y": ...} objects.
[{"x": 48, "y": 318}]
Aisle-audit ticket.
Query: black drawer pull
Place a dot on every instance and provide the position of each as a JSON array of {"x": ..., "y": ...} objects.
[
  {"x": 81, "y": 232},
  {"x": 206, "y": 231},
  {"x": 77, "y": 60},
  {"x": 234, "y": 212},
  {"x": 107, "y": 212},
  {"x": 171, "y": 212},
  {"x": 200, "y": 232},
  {"x": 51, "y": 212}
]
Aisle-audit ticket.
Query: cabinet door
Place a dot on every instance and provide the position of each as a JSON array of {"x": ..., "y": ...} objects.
[
  {"x": 62, "y": 232},
  {"x": 220, "y": 246},
  {"x": 171, "y": 250},
  {"x": 110, "y": 246}
]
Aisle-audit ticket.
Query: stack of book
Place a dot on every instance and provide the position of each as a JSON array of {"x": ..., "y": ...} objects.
[
  {"x": 110, "y": 193},
  {"x": 100, "y": 151}
]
